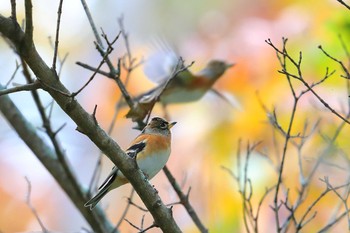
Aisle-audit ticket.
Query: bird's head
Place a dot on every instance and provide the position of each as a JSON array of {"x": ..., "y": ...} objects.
[
  {"x": 215, "y": 68},
  {"x": 158, "y": 125}
]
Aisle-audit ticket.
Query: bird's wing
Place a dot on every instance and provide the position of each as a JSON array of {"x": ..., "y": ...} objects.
[
  {"x": 161, "y": 62},
  {"x": 228, "y": 98},
  {"x": 136, "y": 148},
  {"x": 180, "y": 77},
  {"x": 132, "y": 151},
  {"x": 110, "y": 178}
]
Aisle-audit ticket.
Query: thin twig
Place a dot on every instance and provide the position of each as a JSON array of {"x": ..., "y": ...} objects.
[
  {"x": 344, "y": 4},
  {"x": 59, "y": 13},
  {"x": 114, "y": 72},
  {"x": 91, "y": 77},
  {"x": 13, "y": 74},
  {"x": 127, "y": 207},
  {"x": 299, "y": 77},
  {"x": 60, "y": 152},
  {"x": 27, "y": 87},
  {"x": 337, "y": 61},
  {"x": 88, "y": 67},
  {"x": 43, "y": 228},
  {"x": 184, "y": 200},
  {"x": 91, "y": 21}
]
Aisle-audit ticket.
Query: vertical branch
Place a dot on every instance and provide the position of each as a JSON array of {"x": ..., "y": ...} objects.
[
  {"x": 115, "y": 73},
  {"x": 59, "y": 13},
  {"x": 13, "y": 10},
  {"x": 287, "y": 135},
  {"x": 29, "y": 22}
]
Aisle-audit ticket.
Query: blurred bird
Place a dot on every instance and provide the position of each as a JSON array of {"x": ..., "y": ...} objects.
[
  {"x": 151, "y": 149},
  {"x": 176, "y": 83}
]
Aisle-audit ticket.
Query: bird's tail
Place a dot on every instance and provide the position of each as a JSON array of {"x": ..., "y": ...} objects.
[{"x": 93, "y": 201}]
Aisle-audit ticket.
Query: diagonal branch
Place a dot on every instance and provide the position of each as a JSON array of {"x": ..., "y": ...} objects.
[
  {"x": 299, "y": 77},
  {"x": 28, "y": 133},
  {"x": 85, "y": 122},
  {"x": 344, "y": 4},
  {"x": 115, "y": 73},
  {"x": 184, "y": 200},
  {"x": 346, "y": 71}
]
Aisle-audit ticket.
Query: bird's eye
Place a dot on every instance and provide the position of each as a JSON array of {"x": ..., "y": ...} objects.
[{"x": 163, "y": 125}]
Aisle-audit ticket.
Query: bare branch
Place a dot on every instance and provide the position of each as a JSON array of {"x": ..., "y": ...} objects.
[
  {"x": 94, "y": 114},
  {"x": 344, "y": 4},
  {"x": 91, "y": 78},
  {"x": 29, "y": 21},
  {"x": 61, "y": 61},
  {"x": 337, "y": 61},
  {"x": 161, "y": 214},
  {"x": 88, "y": 67},
  {"x": 13, "y": 75},
  {"x": 59, "y": 13},
  {"x": 343, "y": 199},
  {"x": 184, "y": 200},
  {"x": 13, "y": 10},
  {"x": 43, "y": 228},
  {"x": 28, "y": 87},
  {"x": 299, "y": 77},
  {"x": 113, "y": 72},
  {"x": 91, "y": 21},
  {"x": 140, "y": 229},
  {"x": 127, "y": 207}
]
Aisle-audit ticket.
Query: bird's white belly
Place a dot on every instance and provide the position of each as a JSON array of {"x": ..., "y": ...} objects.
[{"x": 153, "y": 164}]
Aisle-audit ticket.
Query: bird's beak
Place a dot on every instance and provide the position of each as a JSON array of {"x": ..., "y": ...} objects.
[
  {"x": 229, "y": 65},
  {"x": 171, "y": 124}
]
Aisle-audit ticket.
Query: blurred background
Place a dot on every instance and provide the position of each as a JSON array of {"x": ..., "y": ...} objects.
[{"x": 206, "y": 136}]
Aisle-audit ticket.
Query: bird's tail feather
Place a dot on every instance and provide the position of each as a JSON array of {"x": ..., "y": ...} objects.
[{"x": 93, "y": 201}]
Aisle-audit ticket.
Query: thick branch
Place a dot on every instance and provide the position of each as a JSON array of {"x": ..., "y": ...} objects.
[
  {"x": 86, "y": 124},
  {"x": 48, "y": 158},
  {"x": 29, "y": 21}
]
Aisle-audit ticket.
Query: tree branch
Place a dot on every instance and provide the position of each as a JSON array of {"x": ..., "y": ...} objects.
[
  {"x": 28, "y": 133},
  {"x": 344, "y": 4},
  {"x": 184, "y": 200},
  {"x": 85, "y": 122},
  {"x": 43, "y": 228},
  {"x": 27, "y": 87},
  {"x": 29, "y": 21},
  {"x": 59, "y": 13}
]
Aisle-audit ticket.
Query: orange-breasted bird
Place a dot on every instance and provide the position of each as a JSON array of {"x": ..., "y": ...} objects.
[
  {"x": 180, "y": 88},
  {"x": 151, "y": 149}
]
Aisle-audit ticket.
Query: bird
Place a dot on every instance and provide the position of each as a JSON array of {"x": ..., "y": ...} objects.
[
  {"x": 151, "y": 149},
  {"x": 182, "y": 86}
]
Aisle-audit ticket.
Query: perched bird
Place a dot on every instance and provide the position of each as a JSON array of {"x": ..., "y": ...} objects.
[
  {"x": 182, "y": 87},
  {"x": 151, "y": 149}
]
